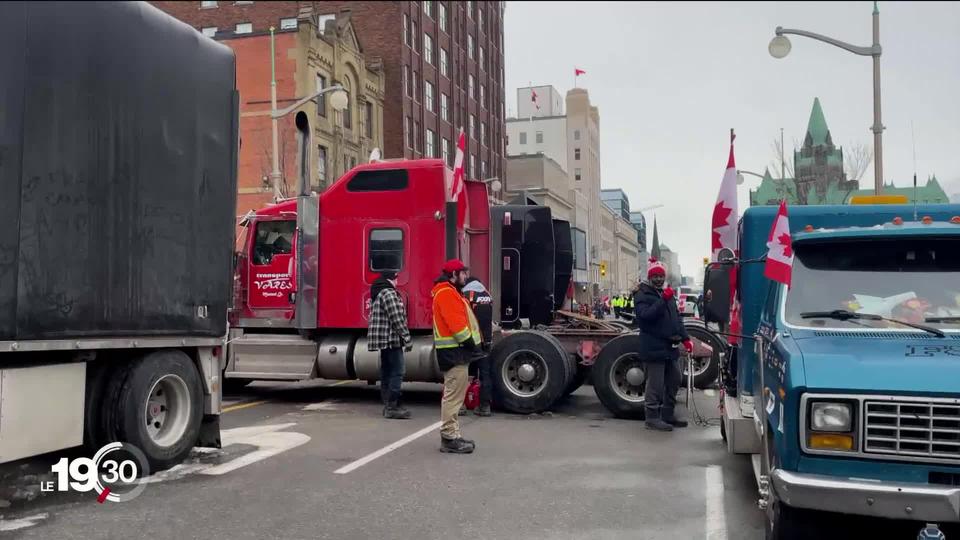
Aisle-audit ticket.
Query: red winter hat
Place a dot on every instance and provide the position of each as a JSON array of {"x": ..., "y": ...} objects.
[
  {"x": 453, "y": 265},
  {"x": 656, "y": 268}
]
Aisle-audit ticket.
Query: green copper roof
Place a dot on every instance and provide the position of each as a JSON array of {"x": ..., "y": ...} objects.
[
  {"x": 817, "y": 126},
  {"x": 931, "y": 192}
]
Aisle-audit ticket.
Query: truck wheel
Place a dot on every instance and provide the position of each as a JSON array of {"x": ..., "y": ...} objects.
[
  {"x": 705, "y": 370},
  {"x": 619, "y": 377},
  {"x": 159, "y": 407},
  {"x": 789, "y": 523},
  {"x": 530, "y": 372}
]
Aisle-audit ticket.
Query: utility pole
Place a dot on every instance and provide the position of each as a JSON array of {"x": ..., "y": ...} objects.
[{"x": 275, "y": 173}]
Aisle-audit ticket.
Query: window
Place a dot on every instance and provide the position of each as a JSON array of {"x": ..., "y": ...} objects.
[
  {"x": 428, "y": 48},
  {"x": 473, "y": 127},
  {"x": 473, "y": 166},
  {"x": 386, "y": 250},
  {"x": 406, "y": 131},
  {"x": 428, "y": 95},
  {"x": 379, "y": 180},
  {"x": 483, "y": 97},
  {"x": 406, "y": 29},
  {"x": 416, "y": 136},
  {"x": 407, "y": 80},
  {"x": 413, "y": 36},
  {"x": 483, "y": 132},
  {"x": 445, "y": 149},
  {"x": 442, "y": 15},
  {"x": 576, "y": 134},
  {"x": 242, "y": 2},
  {"x": 482, "y": 57},
  {"x": 539, "y": 137},
  {"x": 471, "y": 90},
  {"x": 470, "y": 47},
  {"x": 347, "y": 113},
  {"x": 288, "y": 24},
  {"x": 443, "y": 61},
  {"x": 207, "y": 5},
  {"x": 577, "y": 174},
  {"x": 368, "y": 119},
  {"x": 470, "y": 8},
  {"x": 322, "y": 164},
  {"x": 273, "y": 238},
  {"x": 483, "y": 169},
  {"x": 480, "y": 15},
  {"x": 576, "y": 154},
  {"x": 322, "y": 99},
  {"x": 244, "y": 28},
  {"x": 579, "y": 249},
  {"x": 209, "y": 31},
  {"x": 444, "y": 107},
  {"x": 413, "y": 82},
  {"x": 430, "y": 144},
  {"x": 428, "y": 8},
  {"x": 523, "y": 137}
]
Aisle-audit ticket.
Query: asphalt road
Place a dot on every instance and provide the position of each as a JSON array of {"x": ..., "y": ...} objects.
[{"x": 576, "y": 473}]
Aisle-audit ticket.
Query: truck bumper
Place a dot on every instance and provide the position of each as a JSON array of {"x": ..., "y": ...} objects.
[{"x": 893, "y": 500}]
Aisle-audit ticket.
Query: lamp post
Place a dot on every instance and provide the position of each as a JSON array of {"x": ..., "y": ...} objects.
[
  {"x": 338, "y": 101},
  {"x": 780, "y": 47}
]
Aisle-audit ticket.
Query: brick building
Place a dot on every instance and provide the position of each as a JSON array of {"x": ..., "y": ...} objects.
[
  {"x": 442, "y": 63},
  {"x": 310, "y": 52}
]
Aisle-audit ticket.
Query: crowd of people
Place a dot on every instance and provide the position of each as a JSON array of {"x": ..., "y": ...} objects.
[{"x": 462, "y": 336}]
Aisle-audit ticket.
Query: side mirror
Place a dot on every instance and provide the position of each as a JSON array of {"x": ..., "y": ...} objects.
[{"x": 717, "y": 293}]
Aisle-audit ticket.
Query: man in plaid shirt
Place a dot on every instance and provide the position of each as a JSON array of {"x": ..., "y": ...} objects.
[{"x": 388, "y": 333}]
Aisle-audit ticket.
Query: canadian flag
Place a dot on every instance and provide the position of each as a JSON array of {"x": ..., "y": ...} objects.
[
  {"x": 578, "y": 72},
  {"x": 779, "y": 265},
  {"x": 458, "y": 188},
  {"x": 533, "y": 98},
  {"x": 723, "y": 234}
]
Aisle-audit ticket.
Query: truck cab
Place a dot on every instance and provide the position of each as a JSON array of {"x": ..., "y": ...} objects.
[{"x": 851, "y": 381}]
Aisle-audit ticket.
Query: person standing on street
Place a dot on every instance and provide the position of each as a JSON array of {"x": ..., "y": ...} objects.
[
  {"x": 482, "y": 304},
  {"x": 388, "y": 333},
  {"x": 457, "y": 339},
  {"x": 662, "y": 333}
]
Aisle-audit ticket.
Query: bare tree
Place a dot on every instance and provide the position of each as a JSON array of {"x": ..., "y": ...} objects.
[
  {"x": 857, "y": 158},
  {"x": 787, "y": 155}
]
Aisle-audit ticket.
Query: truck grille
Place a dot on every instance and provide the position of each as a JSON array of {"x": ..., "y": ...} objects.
[{"x": 905, "y": 428}]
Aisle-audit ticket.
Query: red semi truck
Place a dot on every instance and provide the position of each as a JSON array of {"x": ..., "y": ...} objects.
[{"x": 305, "y": 266}]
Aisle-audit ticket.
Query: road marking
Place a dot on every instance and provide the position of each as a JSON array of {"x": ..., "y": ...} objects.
[
  {"x": 240, "y": 406},
  {"x": 22, "y": 523},
  {"x": 330, "y": 405},
  {"x": 716, "y": 520},
  {"x": 387, "y": 449}
]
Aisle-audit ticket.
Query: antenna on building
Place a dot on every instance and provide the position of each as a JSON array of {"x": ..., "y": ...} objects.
[{"x": 914, "y": 140}]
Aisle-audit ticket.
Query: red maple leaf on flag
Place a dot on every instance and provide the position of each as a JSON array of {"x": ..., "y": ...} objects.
[
  {"x": 784, "y": 240},
  {"x": 721, "y": 216}
]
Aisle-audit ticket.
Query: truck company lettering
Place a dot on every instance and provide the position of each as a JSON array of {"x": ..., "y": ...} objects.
[
  {"x": 273, "y": 285},
  {"x": 932, "y": 350}
]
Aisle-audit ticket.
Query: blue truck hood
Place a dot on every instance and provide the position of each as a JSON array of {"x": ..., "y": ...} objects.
[{"x": 888, "y": 362}]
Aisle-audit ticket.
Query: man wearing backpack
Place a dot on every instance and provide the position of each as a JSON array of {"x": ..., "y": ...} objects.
[{"x": 388, "y": 333}]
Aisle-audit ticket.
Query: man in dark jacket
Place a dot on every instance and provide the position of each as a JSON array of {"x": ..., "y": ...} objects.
[
  {"x": 387, "y": 332},
  {"x": 662, "y": 333},
  {"x": 482, "y": 304}
]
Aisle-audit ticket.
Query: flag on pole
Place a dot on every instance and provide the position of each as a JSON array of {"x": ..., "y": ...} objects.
[
  {"x": 458, "y": 187},
  {"x": 723, "y": 234},
  {"x": 779, "y": 266},
  {"x": 533, "y": 98},
  {"x": 577, "y": 72}
]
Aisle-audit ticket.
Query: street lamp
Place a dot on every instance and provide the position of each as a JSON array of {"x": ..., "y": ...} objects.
[
  {"x": 780, "y": 47},
  {"x": 741, "y": 172},
  {"x": 338, "y": 101}
]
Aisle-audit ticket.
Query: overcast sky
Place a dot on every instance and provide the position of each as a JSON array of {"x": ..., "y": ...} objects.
[{"x": 671, "y": 79}]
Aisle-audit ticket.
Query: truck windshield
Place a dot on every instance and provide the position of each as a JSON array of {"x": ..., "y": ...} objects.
[{"x": 913, "y": 280}]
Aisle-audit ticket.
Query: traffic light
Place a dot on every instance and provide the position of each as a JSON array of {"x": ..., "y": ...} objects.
[
  {"x": 706, "y": 261},
  {"x": 603, "y": 269}
]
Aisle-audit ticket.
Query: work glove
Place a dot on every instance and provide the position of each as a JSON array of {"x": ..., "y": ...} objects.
[
  {"x": 668, "y": 293},
  {"x": 688, "y": 345}
]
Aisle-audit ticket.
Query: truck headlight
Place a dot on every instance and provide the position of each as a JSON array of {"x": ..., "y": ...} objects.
[{"x": 831, "y": 417}]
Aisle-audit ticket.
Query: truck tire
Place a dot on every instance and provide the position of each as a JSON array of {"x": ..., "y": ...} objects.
[
  {"x": 158, "y": 407},
  {"x": 705, "y": 371},
  {"x": 530, "y": 372},
  {"x": 789, "y": 523},
  {"x": 619, "y": 379}
]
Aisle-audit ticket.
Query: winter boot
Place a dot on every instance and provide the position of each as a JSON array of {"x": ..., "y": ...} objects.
[
  {"x": 483, "y": 410},
  {"x": 654, "y": 422},
  {"x": 669, "y": 417},
  {"x": 463, "y": 410},
  {"x": 395, "y": 413},
  {"x": 456, "y": 446}
]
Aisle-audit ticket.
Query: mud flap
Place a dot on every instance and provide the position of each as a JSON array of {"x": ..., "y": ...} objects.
[{"x": 209, "y": 431}]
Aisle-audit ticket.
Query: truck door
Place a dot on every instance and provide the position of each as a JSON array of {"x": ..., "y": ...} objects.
[{"x": 271, "y": 265}]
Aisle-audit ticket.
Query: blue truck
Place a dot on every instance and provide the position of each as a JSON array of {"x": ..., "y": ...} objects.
[{"x": 845, "y": 387}]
